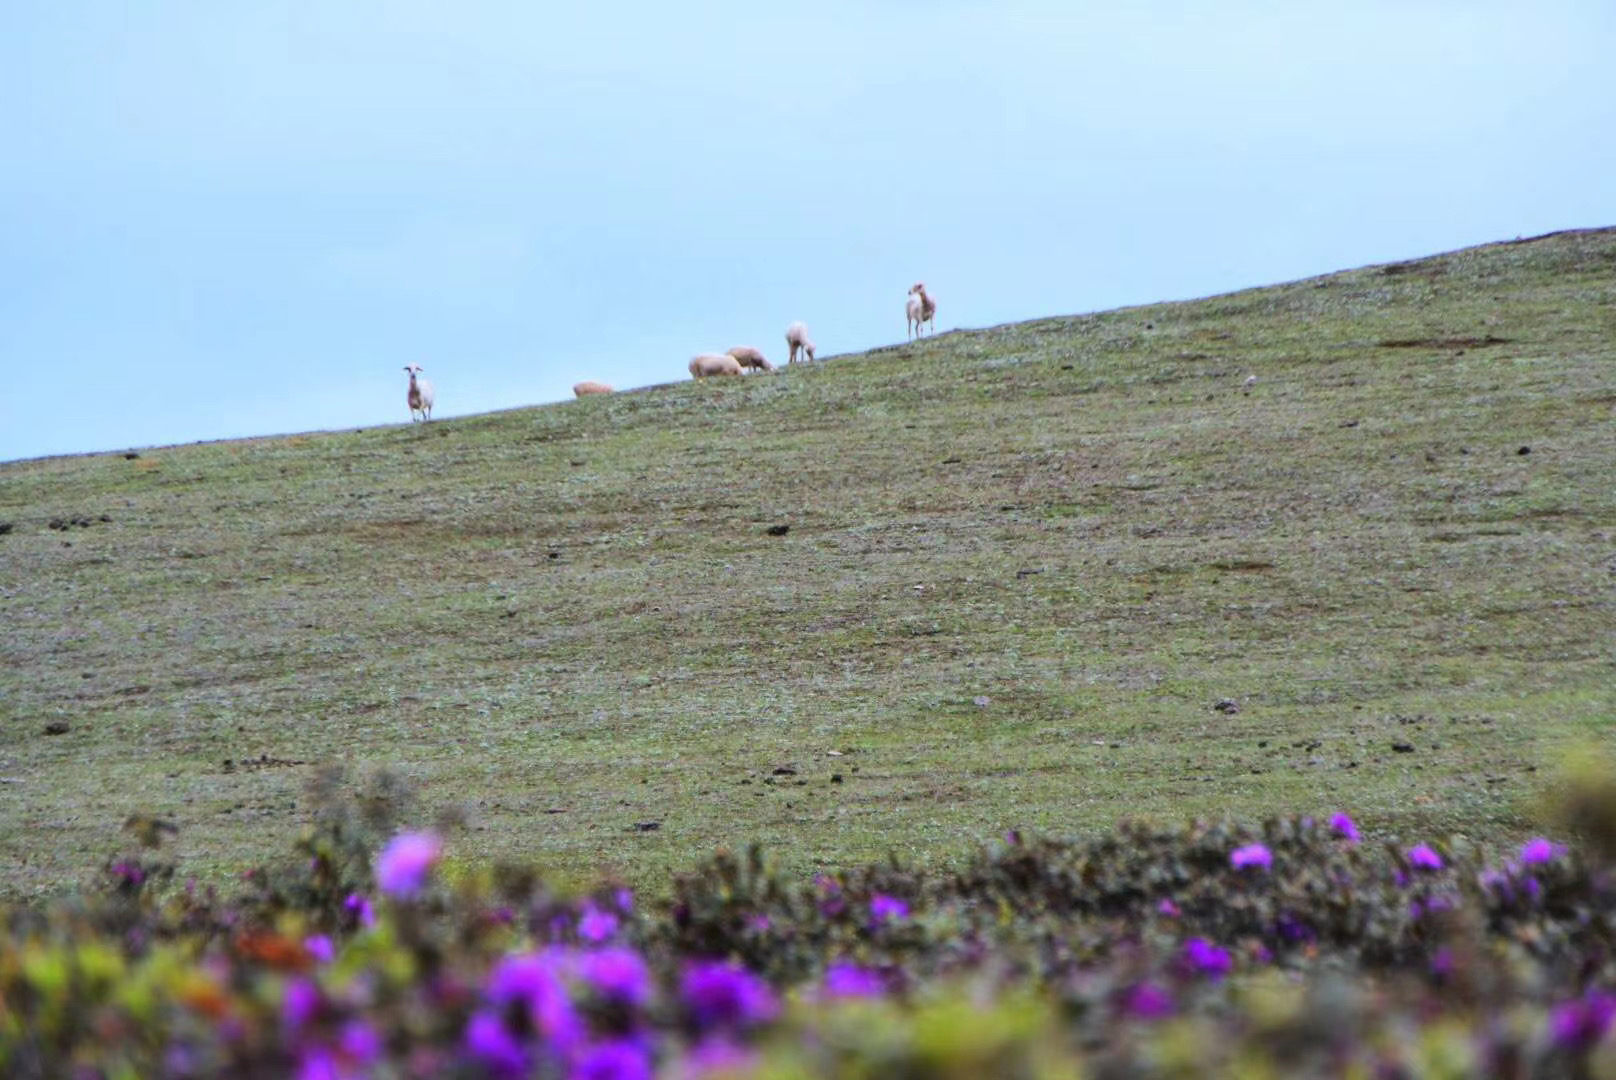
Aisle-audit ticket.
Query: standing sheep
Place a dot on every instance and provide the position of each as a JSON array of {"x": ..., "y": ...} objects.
[
  {"x": 589, "y": 386},
  {"x": 749, "y": 357},
  {"x": 714, "y": 364},
  {"x": 797, "y": 338},
  {"x": 921, "y": 308},
  {"x": 420, "y": 394}
]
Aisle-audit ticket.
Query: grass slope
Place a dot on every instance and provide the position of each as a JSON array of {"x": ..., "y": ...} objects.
[{"x": 1022, "y": 566}]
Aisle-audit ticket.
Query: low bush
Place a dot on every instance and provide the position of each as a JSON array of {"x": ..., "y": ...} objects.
[{"x": 1285, "y": 948}]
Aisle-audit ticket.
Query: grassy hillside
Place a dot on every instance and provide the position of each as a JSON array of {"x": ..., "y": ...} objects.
[{"x": 1023, "y": 565}]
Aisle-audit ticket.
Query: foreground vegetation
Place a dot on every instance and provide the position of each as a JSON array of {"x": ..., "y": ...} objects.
[
  {"x": 1288, "y": 949},
  {"x": 1039, "y": 576}
]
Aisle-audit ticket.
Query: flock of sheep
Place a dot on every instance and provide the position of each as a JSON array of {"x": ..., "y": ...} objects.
[{"x": 920, "y": 311}]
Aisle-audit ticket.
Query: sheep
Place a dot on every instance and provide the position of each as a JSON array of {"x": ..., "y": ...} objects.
[
  {"x": 420, "y": 394},
  {"x": 589, "y": 386},
  {"x": 714, "y": 364},
  {"x": 797, "y": 338},
  {"x": 921, "y": 307},
  {"x": 749, "y": 357}
]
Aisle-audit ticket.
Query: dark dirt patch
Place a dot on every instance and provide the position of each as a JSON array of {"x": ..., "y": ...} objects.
[
  {"x": 259, "y": 763},
  {"x": 1443, "y": 342}
]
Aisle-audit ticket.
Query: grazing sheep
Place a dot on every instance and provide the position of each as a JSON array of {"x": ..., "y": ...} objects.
[
  {"x": 925, "y": 311},
  {"x": 797, "y": 338},
  {"x": 748, "y": 357},
  {"x": 912, "y": 315},
  {"x": 714, "y": 364},
  {"x": 589, "y": 386},
  {"x": 420, "y": 395}
]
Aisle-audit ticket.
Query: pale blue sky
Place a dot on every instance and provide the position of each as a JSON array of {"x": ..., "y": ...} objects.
[{"x": 223, "y": 219}]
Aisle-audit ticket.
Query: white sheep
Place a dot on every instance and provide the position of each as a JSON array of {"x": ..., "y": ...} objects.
[
  {"x": 420, "y": 395},
  {"x": 921, "y": 308},
  {"x": 714, "y": 364},
  {"x": 749, "y": 357},
  {"x": 797, "y": 338},
  {"x": 589, "y": 386}
]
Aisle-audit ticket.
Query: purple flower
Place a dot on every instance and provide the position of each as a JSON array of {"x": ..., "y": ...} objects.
[
  {"x": 1424, "y": 858},
  {"x": 359, "y": 907},
  {"x": 717, "y": 1055},
  {"x": 319, "y": 946},
  {"x": 617, "y": 975},
  {"x": 1205, "y": 958},
  {"x": 620, "y": 1059},
  {"x": 1539, "y": 851},
  {"x": 487, "y": 1039},
  {"x": 1168, "y": 909},
  {"x": 360, "y": 1043},
  {"x": 403, "y": 866},
  {"x": 884, "y": 908},
  {"x": 1442, "y": 962},
  {"x": 1344, "y": 827},
  {"x": 318, "y": 1063},
  {"x": 1251, "y": 855},
  {"x": 596, "y": 925},
  {"x": 758, "y": 923},
  {"x": 529, "y": 978},
  {"x": 721, "y": 994},
  {"x": 299, "y": 1004},
  {"x": 1578, "y": 1025},
  {"x": 852, "y": 981},
  {"x": 130, "y": 873},
  {"x": 625, "y": 900},
  {"x": 1148, "y": 1001}
]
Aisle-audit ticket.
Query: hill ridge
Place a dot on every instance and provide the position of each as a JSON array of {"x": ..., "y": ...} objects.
[{"x": 994, "y": 578}]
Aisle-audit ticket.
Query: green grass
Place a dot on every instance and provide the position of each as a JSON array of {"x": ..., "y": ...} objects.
[{"x": 1023, "y": 564}]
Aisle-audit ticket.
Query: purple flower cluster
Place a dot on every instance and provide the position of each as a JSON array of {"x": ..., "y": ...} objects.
[
  {"x": 1579, "y": 1024},
  {"x": 1251, "y": 855},
  {"x": 847, "y": 980},
  {"x": 405, "y": 863},
  {"x": 1202, "y": 957},
  {"x": 534, "y": 1016},
  {"x": 1424, "y": 857},
  {"x": 723, "y": 995},
  {"x": 887, "y": 909}
]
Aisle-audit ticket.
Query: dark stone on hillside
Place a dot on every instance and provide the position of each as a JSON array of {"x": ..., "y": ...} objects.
[
  {"x": 56, "y": 727},
  {"x": 5, "y": 527},
  {"x": 1228, "y": 707},
  {"x": 1403, "y": 747},
  {"x": 1523, "y": 451},
  {"x": 646, "y": 826},
  {"x": 778, "y": 530},
  {"x": 785, "y": 770},
  {"x": 130, "y": 456}
]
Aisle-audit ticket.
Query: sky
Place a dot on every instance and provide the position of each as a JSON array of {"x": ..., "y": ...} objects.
[{"x": 222, "y": 220}]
